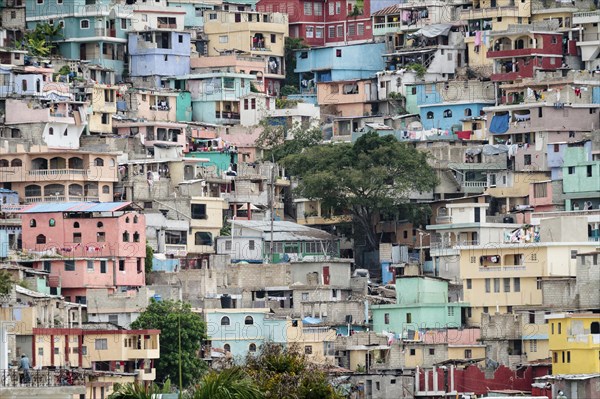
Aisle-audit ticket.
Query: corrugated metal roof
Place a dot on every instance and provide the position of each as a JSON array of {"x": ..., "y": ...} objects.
[
  {"x": 75, "y": 207},
  {"x": 285, "y": 231}
]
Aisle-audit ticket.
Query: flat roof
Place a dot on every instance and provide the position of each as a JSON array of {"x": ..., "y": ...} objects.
[{"x": 76, "y": 207}]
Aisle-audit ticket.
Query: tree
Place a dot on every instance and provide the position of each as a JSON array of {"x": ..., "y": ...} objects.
[
  {"x": 280, "y": 141},
  {"x": 6, "y": 284},
  {"x": 232, "y": 383},
  {"x": 167, "y": 316},
  {"x": 39, "y": 42},
  {"x": 372, "y": 177},
  {"x": 292, "y": 44},
  {"x": 286, "y": 373},
  {"x": 139, "y": 391}
]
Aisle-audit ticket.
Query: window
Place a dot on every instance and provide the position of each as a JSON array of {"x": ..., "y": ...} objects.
[
  {"x": 69, "y": 265},
  {"x": 468, "y": 354},
  {"x": 507, "y": 284},
  {"x": 273, "y": 38},
  {"x": 105, "y": 119},
  {"x": 589, "y": 170},
  {"x": 540, "y": 190},
  {"x": 360, "y": 29},
  {"x": 469, "y": 283},
  {"x": 308, "y": 349},
  {"x": 338, "y": 7},
  {"x": 253, "y": 103},
  {"x": 574, "y": 254},
  {"x": 199, "y": 211},
  {"x": 517, "y": 284},
  {"x": 121, "y": 265},
  {"x": 84, "y": 23},
  {"x": 559, "y": 328},
  {"x": 103, "y": 266},
  {"x": 533, "y": 345},
  {"x": 409, "y": 317},
  {"x": 527, "y": 159},
  {"x": 318, "y": 8},
  {"x": 251, "y": 245},
  {"x": 451, "y": 311},
  {"x": 204, "y": 238},
  {"x": 113, "y": 319},
  {"x": 225, "y": 321},
  {"x": 249, "y": 321},
  {"x": 386, "y": 318},
  {"x": 101, "y": 344},
  {"x": 307, "y": 8},
  {"x": 76, "y": 237},
  {"x": 228, "y": 245},
  {"x": 47, "y": 266},
  {"x": 309, "y": 30},
  {"x": 252, "y": 348},
  {"x": 331, "y": 9},
  {"x": 319, "y": 31},
  {"x": 331, "y": 29},
  {"x": 90, "y": 265},
  {"x": 136, "y": 237},
  {"x": 431, "y": 351},
  {"x": 413, "y": 352},
  {"x": 486, "y": 309},
  {"x": 351, "y": 30},
  {"x": 51, "y": 222},
  {"x": 126, "y": 236},
  {"x": 448, "y": 113},
  {"x": 487, "y": 285},
  {"x": 223, "y": 39},
  {"x": 430, "y": 115},
  {"x": 568, "y": 356},
  {"x": 32, "y": 223},
  {"x": 555, "y": 357},
  {"x": 340, "y": 31}
]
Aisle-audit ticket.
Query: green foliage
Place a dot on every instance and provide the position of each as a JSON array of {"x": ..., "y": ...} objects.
[
  {"x": 285, "y": 373},
  {"x": 6, "y": 283},
  {"x": 39, "y": 41},
  {"x": 272, "y": 140},
  {"x": 418, "y": 69},
  {"x": 64, "y": 70},
  {"x": 226, "y": 229},
  {"x": 231, "y": 383},
  {"x": 148, "y": 260},
  {"x": 138, "y": 391},
  {"x": 291, "y": 44},
  {"x": 253, "y": 88},
  {"x": 289, "y": 89},
  {"x": 166, "y": 316},
  {"x": 373, "y": 176},
  {"x": 285, "y": 103}
]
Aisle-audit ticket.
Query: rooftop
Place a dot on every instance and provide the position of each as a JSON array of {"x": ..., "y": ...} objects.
[
  {"x": 285, "y": 231},
  {"x": 76, "y": 207}
]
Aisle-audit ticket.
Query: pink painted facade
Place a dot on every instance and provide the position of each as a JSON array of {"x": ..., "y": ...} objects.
[
  {"x": 540, "y": 196},
  {"x": 87, "y": 249},
  {"x": 151, "y": 133}
]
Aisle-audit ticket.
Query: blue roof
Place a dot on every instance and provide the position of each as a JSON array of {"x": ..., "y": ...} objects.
[{"x": 46, "y": 207}]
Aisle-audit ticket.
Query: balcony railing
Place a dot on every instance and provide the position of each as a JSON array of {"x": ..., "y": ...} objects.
[
  {"x": 176, "y": 249},
  {"x": 53, "y": 172},
  {"x": 446, "y": 245},
  {"x": 474, "y": 184},
  {"x": 41, "y": 378},
  {"x": 61, "y": 198}
]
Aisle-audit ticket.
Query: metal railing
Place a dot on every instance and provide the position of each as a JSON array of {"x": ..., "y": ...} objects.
[
  {"x": 47, "y": 172},
  {"x": 41, "y": 378}
]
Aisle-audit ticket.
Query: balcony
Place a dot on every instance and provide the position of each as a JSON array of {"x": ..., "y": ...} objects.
[
  {"x": 11, "y": 378},
  {"x": 388, "y": 27},
  {"x": 508, "y": 11},
  {"x": 586, "y": 17},
  {"x": 61, "y": 198},
  {"x": 146, "y": 374},
  {"x": 57, "y": 172},
  {"x": 509, "y": 53},
  {"x": 134, "y": 354},
  {"x": 176, "y": 249}
]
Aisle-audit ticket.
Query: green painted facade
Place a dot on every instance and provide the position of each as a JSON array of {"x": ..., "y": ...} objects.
[
  {"x": 184, "y": 107},
  {"x": 219, "y": 161},
  {"x": 422, "y": 303}
]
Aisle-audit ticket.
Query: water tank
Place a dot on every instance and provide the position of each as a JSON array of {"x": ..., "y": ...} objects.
[
  {"x": 157, "y": 297},
  {"x": 508, "y": 219},
  {"x": 225, "y": 301}
]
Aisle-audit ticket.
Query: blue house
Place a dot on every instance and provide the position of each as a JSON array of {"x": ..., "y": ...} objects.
[
  {"x": 556, "y": 153},
  {"x": 215, "y": 97},
  {"x": 159, "y": 53},
  {"x": 93, "y": 32},
  {"x": 326, "y": 64}
]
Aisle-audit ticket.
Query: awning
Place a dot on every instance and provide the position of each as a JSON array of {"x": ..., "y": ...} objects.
[
  {"x": 499, "y": 124},
  {"x": 434, "y": 30}
]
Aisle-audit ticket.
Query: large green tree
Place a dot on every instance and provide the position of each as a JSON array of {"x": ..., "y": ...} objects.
[
  {"x": 286, "y": 373},
  {"x": 232, "y": 383},
  {"x": 372, "y": 177},
  {"x": 278, "y": 141},
  {"x": 173, "y": 318},
  {"x": 291, "y": 45}
]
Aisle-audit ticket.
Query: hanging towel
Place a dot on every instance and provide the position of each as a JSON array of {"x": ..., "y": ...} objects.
[
  {"x": 478, "y": 38},
  {"x": 405, "y": 16},
  {"x": 499, "y": 124}
]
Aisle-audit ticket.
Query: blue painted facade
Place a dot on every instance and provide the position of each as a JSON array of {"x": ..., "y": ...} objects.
[
  {"x": 596, "y": 95},
  {"x": 147, "y": 59},
  {"x": 219, "y": 161},
  {"x": 165, "y": 265},
  {"x": 556, "y": 157},
  {"x": 193, "y": 12},
  {"x": 3, "y": 244},
  {"x": 447, "y": 116},
  {"x": 325, "y": 64}
]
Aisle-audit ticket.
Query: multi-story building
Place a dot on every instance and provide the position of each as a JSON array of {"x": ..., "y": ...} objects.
[
  {"x": 588, "y": 21},
  {"x": 325, "y": 22},
  {"x": 575, "y": 342},
  {"x": 86, "y": 245}
]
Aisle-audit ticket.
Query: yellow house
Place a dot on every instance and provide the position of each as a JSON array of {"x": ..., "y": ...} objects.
[
  {"x": 498, "y": 277},
  {"x": 575, "y": 343},
  {"x": 103, "y": 107},
  {"x": 255, "y": 33},
  {"x": 205, "y": 223},
  {"x": 315, "y": 342}
]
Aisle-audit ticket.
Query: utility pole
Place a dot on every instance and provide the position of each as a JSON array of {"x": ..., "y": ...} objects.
[
  {"x": 180, "y": 375},
  {"x": 272, "y": 204}
]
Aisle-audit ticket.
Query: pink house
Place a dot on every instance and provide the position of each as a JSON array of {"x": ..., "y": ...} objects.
[{"x": 86, "y": 245}]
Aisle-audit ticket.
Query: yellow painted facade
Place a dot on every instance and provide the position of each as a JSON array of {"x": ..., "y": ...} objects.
[
  {"x": 575, "y": 343},
  {"x": 211, "y": 223},
  {"x": 318, "y": 338},
  {"x": 515, "y": 280},
  {"x": 103, "y": 106}
]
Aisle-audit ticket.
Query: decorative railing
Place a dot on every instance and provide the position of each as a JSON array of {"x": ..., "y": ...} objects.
[{"x": 41, "y": 378}]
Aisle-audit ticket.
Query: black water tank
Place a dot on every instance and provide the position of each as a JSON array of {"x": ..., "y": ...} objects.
[
  {"x": 508, "y": 219},
  {"x": 225, "y": 302}
]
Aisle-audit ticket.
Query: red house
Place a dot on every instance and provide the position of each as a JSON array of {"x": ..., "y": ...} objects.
[{"x": 325, "y": 22}]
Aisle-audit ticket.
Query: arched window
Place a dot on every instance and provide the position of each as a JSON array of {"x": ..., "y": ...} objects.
[
  {"x": 98, "y": 162},
  {"x": 105, "y": 189},
  {"x": 135, "y": 219},
  {"x": 3, "y": 163},
  {"x": 227, "y": 348},
  {"x": 76, "y": 225},
  {"x": 225, "y": 321},
  {"x": 33, "y": 190},
  {"x": 16, "y": 162},
  {"x": 136, "y": 237},
  {"x": 248, "y": 321},
  {"x": 126, "y": 236},
  {"x": 51, "y": 222},
  {"x": 467, "y": 111},
  {"x": 252, "y": 348},
  {"x": 51, "y": 131},
  {"x": 99, "y": 224},
  {"x": 448, "y": 113},
  {"x": 40, "y": 239},
  {"x": 75, "y": 163},
  {"x": 430, "y": 115},
  {"x": 127, "y": 220},
  {"x": 32, "y": 223},
  {"x": 595, "y": 328},
  {"x": 112, "y": 162}
]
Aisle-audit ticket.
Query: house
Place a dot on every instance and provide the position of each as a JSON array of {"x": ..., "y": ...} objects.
[
  {"x": 118, "y": 308},
  {"x": 422, "y": 303},
  {"x": 574, "y": 341},
  {"x": 205, "y": 224},
  {"x": 322, "y": 24},
  {"x": 580, "y": 175},
  {"x": 86, "y": 245},
  {"x": 348, "y": 97},
  {"x": 252, "y": 241},
  {"x": 588, "y": 22},
  {"x": 40, "y": 174}
]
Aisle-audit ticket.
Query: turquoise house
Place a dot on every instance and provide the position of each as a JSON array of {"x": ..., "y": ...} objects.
[
  {"x": 184, "y": 107},
  {"x": 219, "y": 161},
  {"x": 581, "y": 179},
  {"x": 93, "y": 32},
  {"x": 422, "y": 303},
  {"x": 215, "y": 97}
]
